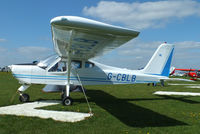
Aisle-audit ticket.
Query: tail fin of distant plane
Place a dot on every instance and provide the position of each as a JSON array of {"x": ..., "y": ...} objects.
[
  {"x": 172, "y": 70},
  {"x": 160, "y": 62}
]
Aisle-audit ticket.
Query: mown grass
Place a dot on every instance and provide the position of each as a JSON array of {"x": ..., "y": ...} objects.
[{"x": 118, "y": 109}]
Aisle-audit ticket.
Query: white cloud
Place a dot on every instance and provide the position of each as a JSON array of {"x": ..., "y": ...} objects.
[
  {"x": 2, "y": 40},
  {"x": 33, "y": 51},
  {"x": 135, "y": 54},
  {"x": 188, "y": 44},
  {"x": 2, "y": 49},
  {"x": 23, "y": 55},
  {"x": 141, "y": 15}
]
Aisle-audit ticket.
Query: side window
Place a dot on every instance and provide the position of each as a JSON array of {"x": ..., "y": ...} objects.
[
  {"x": 58, "y": 67},
  {"x": 89, "y": 64},
  {"x": 76, "y": 64}
]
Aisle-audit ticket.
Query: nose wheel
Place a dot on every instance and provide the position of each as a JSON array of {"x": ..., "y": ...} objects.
[{"x": 24, "y": 97}]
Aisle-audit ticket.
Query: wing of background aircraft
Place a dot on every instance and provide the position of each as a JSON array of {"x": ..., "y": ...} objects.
[
  {"x": 84, "y": 39},
  {"x": 186, "y": 69}
]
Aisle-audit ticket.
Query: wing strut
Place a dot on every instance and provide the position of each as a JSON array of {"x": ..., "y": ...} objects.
[
  {"x": 90, "y": 110},
  {"x": 67, "y": 100}
]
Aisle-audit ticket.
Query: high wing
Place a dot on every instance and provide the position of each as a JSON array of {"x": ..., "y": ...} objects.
[{"x": 82, "y": 38}]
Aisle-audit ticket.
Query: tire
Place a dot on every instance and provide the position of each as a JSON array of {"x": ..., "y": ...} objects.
[
  {"x": 67, "y": 101},
  {"x": 24, "y": 98}
]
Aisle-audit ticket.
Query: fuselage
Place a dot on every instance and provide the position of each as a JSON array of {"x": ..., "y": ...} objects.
[{"x": 87, "y": 73}]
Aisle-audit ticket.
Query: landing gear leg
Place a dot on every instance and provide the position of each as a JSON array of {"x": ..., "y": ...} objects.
[
  {"x": 63, "y": 95},
  {"x": 162, "y": 83},
  {"x": 23, "y": 97},
  {"x": 154, "y": 84},
  {"x": 66, "y": 100}
]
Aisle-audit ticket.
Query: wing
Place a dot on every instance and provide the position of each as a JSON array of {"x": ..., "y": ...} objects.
[
  {"x": 186, "y": 69},
  {"x": 84, "y": 39}
]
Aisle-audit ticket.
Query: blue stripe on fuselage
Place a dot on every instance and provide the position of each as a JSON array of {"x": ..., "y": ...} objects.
[{"x": 75, "y": 78}]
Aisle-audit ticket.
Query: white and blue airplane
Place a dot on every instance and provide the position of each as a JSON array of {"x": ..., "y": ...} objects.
[{"x": 77, "y": 40}]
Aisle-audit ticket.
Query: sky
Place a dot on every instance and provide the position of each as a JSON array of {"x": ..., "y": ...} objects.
[{"x": 25, "y": 32}]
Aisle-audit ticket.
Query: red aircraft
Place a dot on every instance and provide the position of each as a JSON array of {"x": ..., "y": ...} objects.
[{"x": 194, "y": 73}]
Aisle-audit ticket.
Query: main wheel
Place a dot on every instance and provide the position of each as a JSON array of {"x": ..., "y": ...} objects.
[
  {"x": 67, "y": 101},
  {"x": 24, "y": 98}
]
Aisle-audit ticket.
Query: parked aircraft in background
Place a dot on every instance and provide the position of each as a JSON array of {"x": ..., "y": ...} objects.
[
  {"x": 5, "y": 69},
  {"x": 194, "y": 73},
  {"x": 76, "y": 40},
  {"x": 172, "y": 70}
]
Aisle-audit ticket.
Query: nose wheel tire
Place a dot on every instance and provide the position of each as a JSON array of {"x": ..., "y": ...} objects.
[
  {"x": 24, "y": 98},
  {"x": 67, "y": 101}
]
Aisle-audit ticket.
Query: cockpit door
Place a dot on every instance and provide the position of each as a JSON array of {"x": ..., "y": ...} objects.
[{"x": 56, "y": 73}]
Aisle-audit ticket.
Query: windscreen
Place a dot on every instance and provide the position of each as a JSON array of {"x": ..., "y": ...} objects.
[{"x": 46, "y": 62}]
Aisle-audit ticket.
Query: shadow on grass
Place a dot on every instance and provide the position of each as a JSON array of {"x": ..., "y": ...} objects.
[
  {"x": 183, "y": 99},
  {"x": 130, "y": 114},
  {"x": 164, "y": 97}
]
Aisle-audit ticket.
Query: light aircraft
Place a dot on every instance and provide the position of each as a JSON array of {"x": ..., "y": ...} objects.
[
  {"x": 77, "y": 40},
  {"x": 194, "y": 73}
]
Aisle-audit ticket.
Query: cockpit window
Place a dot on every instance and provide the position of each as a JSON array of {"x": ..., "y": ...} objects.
[
  {"x": 58, "y": 67},
  {"x": 89, "y": 64},
  {"x": 76, "y": 64},
  {"x": 46, "y": 62},
  {"x": 61, "y": 66}
]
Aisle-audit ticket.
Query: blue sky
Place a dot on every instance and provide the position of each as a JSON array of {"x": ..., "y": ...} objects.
[{"x": 25, "y": 33}]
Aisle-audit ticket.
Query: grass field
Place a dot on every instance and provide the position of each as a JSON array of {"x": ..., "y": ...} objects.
[{"x": 118, "y": 109}]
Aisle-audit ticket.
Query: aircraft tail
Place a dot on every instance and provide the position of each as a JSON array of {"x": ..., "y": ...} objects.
[
  {"x": 160, "y": 62},
  {"x": 172, "y": 70}
]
